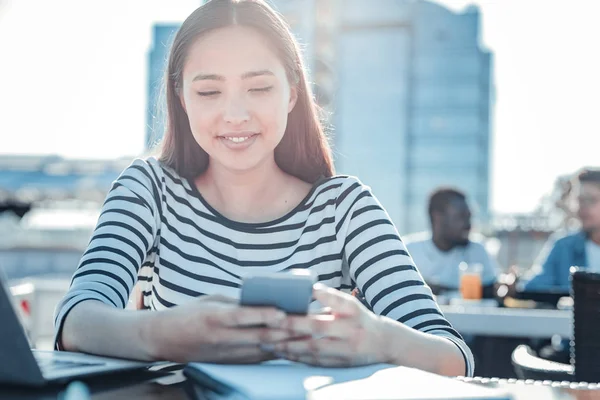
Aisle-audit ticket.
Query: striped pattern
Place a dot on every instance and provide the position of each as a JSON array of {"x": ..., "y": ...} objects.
[{"x": 157, "y": 230}]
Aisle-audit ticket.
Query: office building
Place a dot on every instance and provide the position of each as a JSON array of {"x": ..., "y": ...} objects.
[
  {"x": 162, "y": 37},
  {"x": 413, "y": 104}
]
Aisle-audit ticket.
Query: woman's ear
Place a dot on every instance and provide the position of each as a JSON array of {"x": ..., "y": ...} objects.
[
  {"x": 181, "y": 100},
  {"x": 293, "y": 98}
]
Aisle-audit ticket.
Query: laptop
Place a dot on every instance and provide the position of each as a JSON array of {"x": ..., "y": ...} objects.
[{"x": 20, "y": 365}]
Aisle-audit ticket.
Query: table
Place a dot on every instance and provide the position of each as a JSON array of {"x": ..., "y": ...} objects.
[
  {"x": 509, "y": 322},
  {"x": 495, "y": 332},
  {"x": 174, "y": 386},
  {"x": 527, "y": 390}
]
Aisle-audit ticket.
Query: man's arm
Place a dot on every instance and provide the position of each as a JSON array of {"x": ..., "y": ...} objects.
[{"x": 544, "y": 278}]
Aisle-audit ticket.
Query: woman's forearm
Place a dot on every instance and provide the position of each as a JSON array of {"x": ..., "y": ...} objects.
[
  {"x": 412, "y": 348},
  {"x": 93, "y": 327}
]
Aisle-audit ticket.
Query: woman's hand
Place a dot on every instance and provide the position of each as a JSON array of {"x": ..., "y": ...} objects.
[
  {"x": 352, "y": 335},
  {"x": 348, "y": 336},
  {"x": 217, "y": 329}
]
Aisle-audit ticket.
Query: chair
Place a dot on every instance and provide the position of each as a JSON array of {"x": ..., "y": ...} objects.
[
  {"x": 528, "y": 365},
  {"x": 585, "y": 346}
]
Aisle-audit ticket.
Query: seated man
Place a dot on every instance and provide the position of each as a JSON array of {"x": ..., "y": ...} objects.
[
  {"x": 439, "y": 253},
  {"x": 580, "y": 249}
]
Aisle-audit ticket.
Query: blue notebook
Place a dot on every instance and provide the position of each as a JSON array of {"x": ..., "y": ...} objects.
[{"x": 283, "y": 380}]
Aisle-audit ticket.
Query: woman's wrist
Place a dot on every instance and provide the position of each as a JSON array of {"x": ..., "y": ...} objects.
[
  {"x": 150, "y": 331},
  {"x": 385, "y": 351},
  {"x": 409, "y": 347},
  {"x": 395, "y": 341}
]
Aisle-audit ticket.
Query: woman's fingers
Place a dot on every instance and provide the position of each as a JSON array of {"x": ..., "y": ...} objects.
[
  {"x": 247, "y": 317},
  {"x": 330, "y": 362},
  {"x": 232, "y": 354},
  {"x": 250, "y": 336},
  {"x": 324, "y": 346},
  {"x": 321, "y": 325},
  {"x": 339, "y": 302},
  {"x": 323, "y": 351}
]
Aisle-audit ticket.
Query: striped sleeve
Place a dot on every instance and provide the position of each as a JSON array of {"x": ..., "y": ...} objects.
[
  {"x": 384, "y": 271},
  {"x": 124, "y": 235}
]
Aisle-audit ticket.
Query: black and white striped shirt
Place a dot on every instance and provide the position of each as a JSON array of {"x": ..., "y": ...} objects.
[{"x": 157, "y": 230}]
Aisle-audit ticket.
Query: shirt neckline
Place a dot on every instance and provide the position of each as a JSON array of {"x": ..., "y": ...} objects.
[{"x": 254, "y": 225}]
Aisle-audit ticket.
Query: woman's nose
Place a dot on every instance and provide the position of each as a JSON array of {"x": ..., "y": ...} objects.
[{"x": 235, "y": 111}]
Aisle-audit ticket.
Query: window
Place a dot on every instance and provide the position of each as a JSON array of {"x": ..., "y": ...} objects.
[
  {"x": 468, "y": 155},
  {"x": 459, "y": 123},
  {"x": 438, "y": 66},
  {"x": 449, "y": 95}
]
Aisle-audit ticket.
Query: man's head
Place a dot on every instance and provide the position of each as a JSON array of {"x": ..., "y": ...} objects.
[
  {"x": 588, "y": 199},
  {"x": 450, "y": 216}
]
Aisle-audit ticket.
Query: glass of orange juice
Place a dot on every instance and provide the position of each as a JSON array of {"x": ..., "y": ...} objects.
[{"x": 471, "y": 287}]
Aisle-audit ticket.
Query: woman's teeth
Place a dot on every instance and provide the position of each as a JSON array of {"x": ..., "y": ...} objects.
[{"x": 238, "y": 139}]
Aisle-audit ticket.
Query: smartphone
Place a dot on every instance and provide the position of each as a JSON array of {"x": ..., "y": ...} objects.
[{"x": 289, "y": 291}]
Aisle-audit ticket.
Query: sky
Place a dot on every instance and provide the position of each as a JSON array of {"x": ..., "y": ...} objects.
[{"x": 73, "y": 82}]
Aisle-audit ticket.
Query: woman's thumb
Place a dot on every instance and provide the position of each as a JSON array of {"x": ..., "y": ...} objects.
[{"x": 339, "y": 302}]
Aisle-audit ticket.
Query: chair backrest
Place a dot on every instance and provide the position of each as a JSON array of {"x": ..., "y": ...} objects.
[
  {"x": 528, "y": 365},
  {"x": 585, "y": 346}
]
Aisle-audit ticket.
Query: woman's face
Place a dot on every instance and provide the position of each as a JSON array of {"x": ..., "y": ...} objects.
[{"x": 237, "y": 97}]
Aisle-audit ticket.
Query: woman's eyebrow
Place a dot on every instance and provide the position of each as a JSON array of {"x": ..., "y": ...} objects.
[{"x": 245, "y": 75}]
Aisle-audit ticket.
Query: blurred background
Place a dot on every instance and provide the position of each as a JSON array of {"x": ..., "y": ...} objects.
[{"x": 496, "y": 98}]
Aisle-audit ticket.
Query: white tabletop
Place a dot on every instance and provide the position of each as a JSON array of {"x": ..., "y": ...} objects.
[{"x": 509, "y": 322}]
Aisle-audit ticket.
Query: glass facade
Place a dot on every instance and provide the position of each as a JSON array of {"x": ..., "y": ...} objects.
[
  {"x": 413, "y": 104},
  {"x": 371, "y": 109},
  {"x": 162, "y": 37}
]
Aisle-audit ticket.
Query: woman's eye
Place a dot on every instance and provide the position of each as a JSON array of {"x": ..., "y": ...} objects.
[
  {"x": 208, "y": 93},
  {"x": 262, "y": 89}
]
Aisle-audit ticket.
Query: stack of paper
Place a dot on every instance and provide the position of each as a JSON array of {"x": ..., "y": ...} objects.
[{"x": 284, "y": 380}]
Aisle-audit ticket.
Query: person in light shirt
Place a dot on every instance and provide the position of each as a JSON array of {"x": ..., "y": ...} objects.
[{"x": 439, "y": 253}]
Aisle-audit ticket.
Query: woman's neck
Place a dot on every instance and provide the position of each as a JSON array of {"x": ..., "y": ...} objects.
[{"x": 247, "y": 196}]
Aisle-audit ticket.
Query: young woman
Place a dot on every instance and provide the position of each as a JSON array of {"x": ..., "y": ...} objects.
[{"x": 245, "y": 183}]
